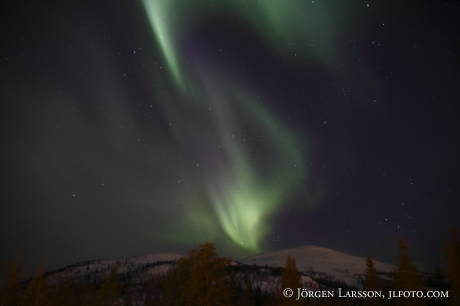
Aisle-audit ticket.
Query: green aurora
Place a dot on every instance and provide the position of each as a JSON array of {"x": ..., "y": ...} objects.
[{"x": 243, "y": 193}]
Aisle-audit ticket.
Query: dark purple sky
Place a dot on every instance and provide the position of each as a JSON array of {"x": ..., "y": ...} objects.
[{"x": 135, "y": 127}]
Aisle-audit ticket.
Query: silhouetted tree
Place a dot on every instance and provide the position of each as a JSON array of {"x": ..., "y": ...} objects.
[
  {"x": 199, "y": 279},
  {"x": 406, "y": 277},
  {"x": 233, "y": 290},
  {"x": 248, "y": 293},
  {"x": 110, "y": 291},
  {"x": 153, "y": 290},
  {"x": 453, "y": 268},
  {"x": 86, "y": 294},
  {"x": 258, "y": 297},
  {"x": 175, "y": 283},
  {"x": 290, "y": 279},
  {"x": 439, "y": 282},
  {"x": 63, "y": 292},
  {"x": 372, "y": 282},
  {"x": 37, "y": 292},
  {"x": 11, "y": 291}
]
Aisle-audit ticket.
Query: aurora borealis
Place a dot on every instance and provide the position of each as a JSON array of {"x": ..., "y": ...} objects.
[
  {"x": 152, "y": 126},
  {"x": 242, "y": 196}
]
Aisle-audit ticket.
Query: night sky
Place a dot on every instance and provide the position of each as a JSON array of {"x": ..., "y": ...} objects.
[{"x": 142, "y": 126}]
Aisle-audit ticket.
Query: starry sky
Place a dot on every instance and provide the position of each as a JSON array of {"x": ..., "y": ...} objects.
[{"x": 132, "y": 127}]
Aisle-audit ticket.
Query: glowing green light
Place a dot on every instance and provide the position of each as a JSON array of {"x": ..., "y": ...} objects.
[
  {"x": 241, "y": 193},
  {"x": 159, "y": 17}
]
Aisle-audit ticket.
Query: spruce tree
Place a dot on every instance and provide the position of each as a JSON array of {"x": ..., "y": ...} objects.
[
  {"x": 441, "y": 285},
  {"x": 406, "y": 277},
  {"x": 258, "y": 297},
  {"x": 37, "y": 292},
  {"x": 208, "y": 284},
  {"x": 63, "y": 292},
  {"x": 248, "y": 294},
  {"x": 11, "y": 291},
  {"x": 233, "y": 289},
  {"x": 453, "y": 268},
  {"x": 199, "y": 279},
  {"x": 290, "y": 279},
  {"x": 175, "y": 283},
  {"x": 110, "y": 291},
  {"x": 372, "y": 282},
  {"x": 86, "y": 293}
]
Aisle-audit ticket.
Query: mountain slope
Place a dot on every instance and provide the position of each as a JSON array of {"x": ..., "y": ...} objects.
[
  {"x": 135, "y": 267},
  {"x": 316, "y": 262},
  {"x": 342, "y": 266}
]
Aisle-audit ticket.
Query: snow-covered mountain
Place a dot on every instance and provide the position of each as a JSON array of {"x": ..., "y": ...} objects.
[
  {"x": 136, "y": 268},
  {"x": 314, "y": 260}
]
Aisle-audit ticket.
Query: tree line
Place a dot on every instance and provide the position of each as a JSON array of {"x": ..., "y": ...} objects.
[{"x": 204, "y": 278}]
